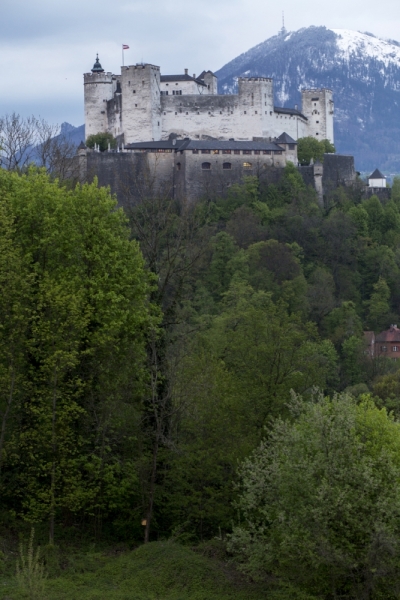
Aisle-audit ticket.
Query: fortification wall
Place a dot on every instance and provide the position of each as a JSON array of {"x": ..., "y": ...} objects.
[
  {"x": 223, "y": 117},
  {"x": 132, "y": 176}
]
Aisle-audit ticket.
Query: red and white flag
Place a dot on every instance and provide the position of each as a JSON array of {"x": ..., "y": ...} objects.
[{"x": 125, "y": 47}]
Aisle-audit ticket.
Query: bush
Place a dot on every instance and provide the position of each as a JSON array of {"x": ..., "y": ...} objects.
[{"x": 102, "y": 140}]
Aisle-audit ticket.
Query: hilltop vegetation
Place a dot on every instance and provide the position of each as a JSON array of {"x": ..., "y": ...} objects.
[{"x": 145, "y": 357}]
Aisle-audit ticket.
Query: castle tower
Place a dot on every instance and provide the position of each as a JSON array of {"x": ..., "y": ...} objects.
[
  {"x": 141, "y": 104},
  {"x": 256, "y": 104},
  {"x": 98, "y": 88},
  {"x": 318, "y": 107}
]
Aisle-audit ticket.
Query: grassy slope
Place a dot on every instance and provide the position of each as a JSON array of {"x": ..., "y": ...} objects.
[{"x": 157, "y": 571}]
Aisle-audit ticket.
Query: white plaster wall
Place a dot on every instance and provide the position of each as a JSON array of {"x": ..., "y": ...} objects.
[
  {"x": 97, "y": 91},
  {"x": 186, "y": 87},
  {"x": 377, "y": 183}
]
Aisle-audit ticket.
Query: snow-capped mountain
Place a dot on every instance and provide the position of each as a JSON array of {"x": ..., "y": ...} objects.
[{"x": 363, "y": 71}]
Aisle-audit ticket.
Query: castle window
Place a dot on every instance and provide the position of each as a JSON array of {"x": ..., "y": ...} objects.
[
  {"x": 256, "y": 152},
  {"x": 206, "y": 166},
  {"x": 215, "y": 152},
  {"x": 245, "y": 113},
  {"x": 247, "y": 165},
  {"x": 256, "y": 112},
  {"x": 220, "y": 112},
  {"x": 266, "y": 151},
  {"x": 176, "y": 113},
  {"x": 317, "y": 134},
  {"x": 134, "y": 92},
  {"x": 176, "y": 84},
  {"x": 206, "y": 151},
  {"x": 292, "y": 146},
  {"x": 270, "y": 112},
  {"x": 129, "y": 83},
  {"x": 227, "y": 166},
  {"x": 246, "y": 151},
  {"x": 159, "y": 123},
  {"x": 317, "y": 121},
  {"x": 226, "y": 151},
  {"x": 383, "y": 348},
  {"x": 278, "y": 152},
  {"x": 187, "y": 113},
  {"x": 136, "y": 105},
  {"x": 178, "y": 166},
  {"x": 236, "y": 152},
  {"x": 195, "y": 151},
  {"x": 395, "y": 348},
  {"x": 165, "y": 113}
]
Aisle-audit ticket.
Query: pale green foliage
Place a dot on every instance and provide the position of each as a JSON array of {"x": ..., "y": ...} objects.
[
  {"x": 320, "y": 500},
  {"x": 310, "y": 148},
  {"x": 30, "y": 570}
]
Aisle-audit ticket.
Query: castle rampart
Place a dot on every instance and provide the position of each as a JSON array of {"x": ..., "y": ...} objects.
[{"x": 141, "y": 104}]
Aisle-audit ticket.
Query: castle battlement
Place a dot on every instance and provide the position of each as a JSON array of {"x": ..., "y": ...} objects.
[{"x": 141, "y": 104}]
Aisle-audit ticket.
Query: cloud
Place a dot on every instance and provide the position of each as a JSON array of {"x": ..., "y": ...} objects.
[{"x": 46, "y": 46}]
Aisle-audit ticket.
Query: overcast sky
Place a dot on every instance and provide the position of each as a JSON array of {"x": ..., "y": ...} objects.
[{"x": 46, "y": 45}]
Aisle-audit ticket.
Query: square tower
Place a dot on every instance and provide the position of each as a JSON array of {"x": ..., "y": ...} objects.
[
  {"x": 317, "y": 106},
  {"x": 141, "y": 104}
]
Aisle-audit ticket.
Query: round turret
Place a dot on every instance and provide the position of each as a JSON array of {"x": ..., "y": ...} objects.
[{"x": 97, "y": 68}]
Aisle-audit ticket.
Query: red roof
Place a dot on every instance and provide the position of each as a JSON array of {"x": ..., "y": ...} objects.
[{"x": 390, "y": 335}]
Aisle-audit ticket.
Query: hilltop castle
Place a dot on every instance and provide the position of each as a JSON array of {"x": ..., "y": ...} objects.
[
  {"x": 177, "y": 136},
  {"x": 142, "y": 105}
]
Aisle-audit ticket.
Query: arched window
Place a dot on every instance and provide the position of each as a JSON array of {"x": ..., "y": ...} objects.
[
  {"x": 178, "y": 166},
  {"x": 206, "y": 166},
  {"x": 247, "y": 165},
  {"x": 227, "y": 166}
]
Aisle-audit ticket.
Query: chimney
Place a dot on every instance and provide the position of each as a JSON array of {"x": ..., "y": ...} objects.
[
  {"x": 186, "y": 71},
  {"x": 194, "y": 75},
  {"x": 174, "y": 142}
]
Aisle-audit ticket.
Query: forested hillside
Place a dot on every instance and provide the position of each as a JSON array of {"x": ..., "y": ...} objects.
[{"x": 199, "y": 372}]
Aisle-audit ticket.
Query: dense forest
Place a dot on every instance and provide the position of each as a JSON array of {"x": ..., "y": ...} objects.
[{"x": 198, "y": 372}]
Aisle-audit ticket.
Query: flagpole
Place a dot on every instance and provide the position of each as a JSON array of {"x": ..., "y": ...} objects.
[{"x": 122, "y": 55}]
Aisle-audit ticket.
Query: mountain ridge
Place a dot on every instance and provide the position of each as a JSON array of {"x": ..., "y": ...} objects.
[{"x": 362, "y": 70}]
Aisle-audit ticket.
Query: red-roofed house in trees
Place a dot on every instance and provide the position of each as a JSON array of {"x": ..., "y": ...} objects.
[{"x": 387, "y": 343}]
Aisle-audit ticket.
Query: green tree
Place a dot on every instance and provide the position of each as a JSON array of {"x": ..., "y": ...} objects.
[
  {"x": 342, "y": 323},
  {"x": 396, "y": 190},
  {"x": 320, "y": 500},
  {"x": 378, "y": 306},
  {"x": 84, "y": 348},
  {"x": 310, "y": 148},
  {"x": 102, "y": 140}
]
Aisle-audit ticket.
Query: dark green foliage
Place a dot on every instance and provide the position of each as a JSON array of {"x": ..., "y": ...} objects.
[
  {"x": 102, "y": 140},
  {"x": 126, "y": 396}
]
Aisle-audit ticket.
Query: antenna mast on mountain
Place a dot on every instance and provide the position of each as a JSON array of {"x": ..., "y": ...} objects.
[{"x": 283, "y": 30}]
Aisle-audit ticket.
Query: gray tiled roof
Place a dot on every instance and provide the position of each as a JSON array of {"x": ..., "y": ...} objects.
[
  {"x": 184, "y": 77},
  {"x": 289, "y": 111},
  {"x": 285, "y": 138},
  {"x": 376, "y": 175},
  {"x": 188, "y": 144}
]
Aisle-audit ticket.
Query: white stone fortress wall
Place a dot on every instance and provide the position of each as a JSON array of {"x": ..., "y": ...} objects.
[{"x": 136, "y": 104}]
